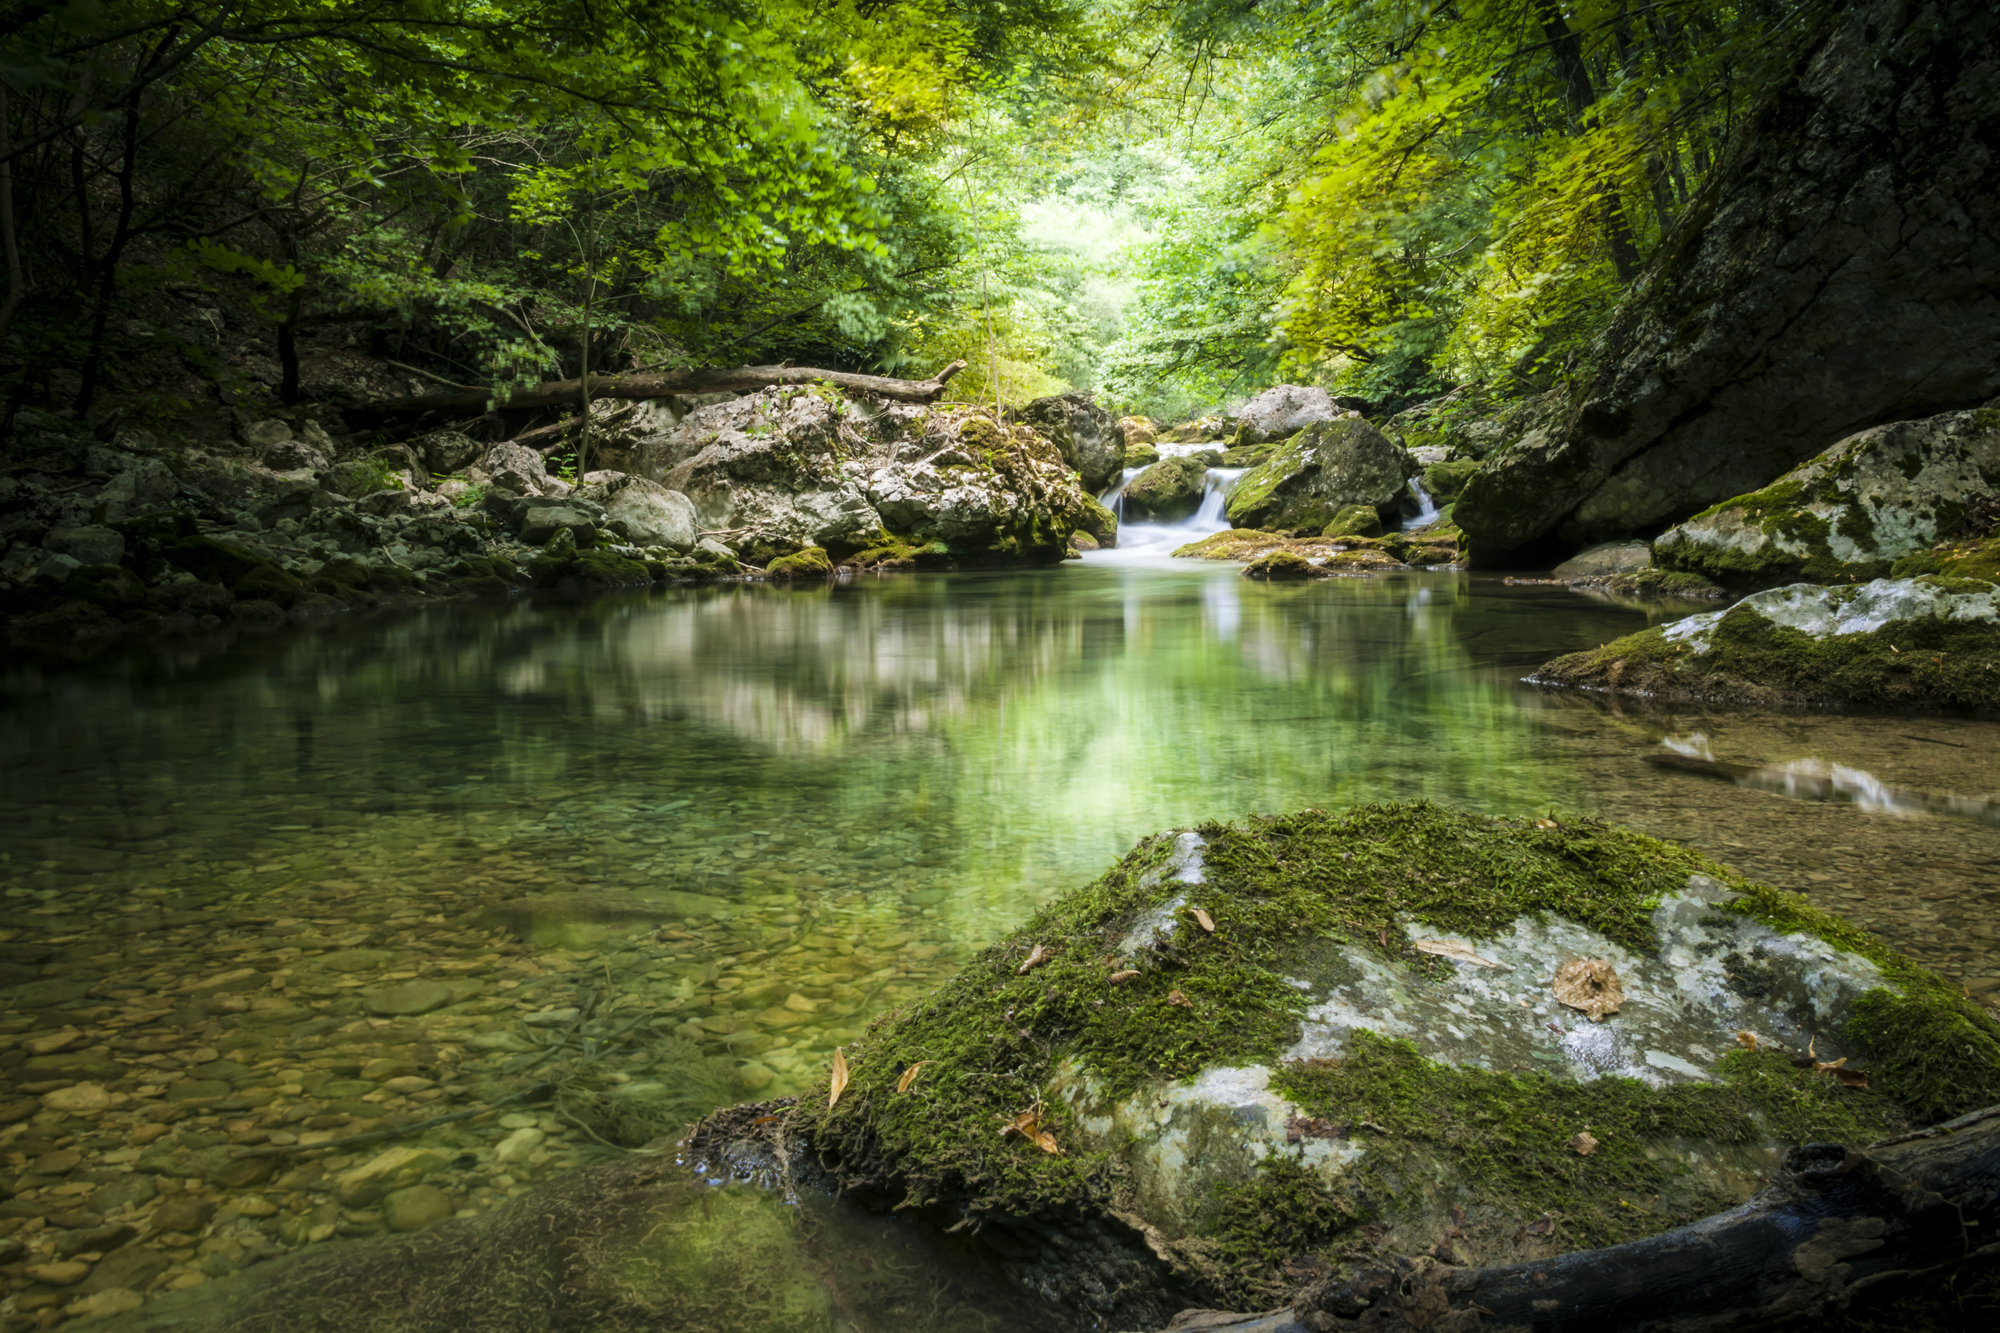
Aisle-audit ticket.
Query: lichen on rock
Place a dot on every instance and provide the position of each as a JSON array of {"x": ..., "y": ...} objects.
[
  {"x": 1929, "y": 642},
  {"x": 1261, "y": 1090},
  {"x": 1852, "y": 512}
]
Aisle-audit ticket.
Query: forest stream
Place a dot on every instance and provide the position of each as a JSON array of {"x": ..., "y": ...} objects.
[{"x": 270, "y": 890}]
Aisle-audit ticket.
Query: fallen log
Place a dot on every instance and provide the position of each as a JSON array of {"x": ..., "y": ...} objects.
[
  {"x": 658, "y": 384},
  {"x": 1834, "y": 1223}
]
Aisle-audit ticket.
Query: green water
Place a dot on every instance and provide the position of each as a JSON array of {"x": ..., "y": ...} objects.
[{"x": 812, "y": 805}]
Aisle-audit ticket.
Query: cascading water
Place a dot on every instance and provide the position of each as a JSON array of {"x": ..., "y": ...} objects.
[
  {"x": 1144, "y": 540},
  {"x": 1427, "y": 511}
]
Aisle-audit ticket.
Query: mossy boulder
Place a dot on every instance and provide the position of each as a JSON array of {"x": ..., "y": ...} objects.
[
  {"x": 1445, "y": 480},
  {"x": 1928, "y": 642},
  {"x": 1325, "y": 468},
  {"x": 1169, "y": 490},
  {"x": 1273, "y": 1047},
  {"x": 1141, "y": 454},
  {"x": 1099, "y": 523},
  {"x": 1279, "y": 566},
  {"x": 1355, "y": 521},
  {"x": 812, "y": 563},
  {"x": 561, "y": 564},
  {"x": 1089, "y": 438},
  {"x": 1849, "y": 514}
]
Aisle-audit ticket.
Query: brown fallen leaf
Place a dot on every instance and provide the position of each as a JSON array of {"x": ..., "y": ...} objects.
[
  {"x": 1546, "y": 1226},
  {"x": 910, "y": 1075},
  {"x": 1453, "y": 949},
  {"x": 1179, "y": 997},
  {"x": 1040, "y": 954},
  {"x": 1747, "y": 1040},
  {"x": 1585, "y": 1143},
  {"x": 1298, "y": 1128},
  {"x": 839, "y": 1078},
  {"x": 1204, "y": 920},
  {"x": 1849, "y": 1078},
  {"x": 1120, "y": 978},
  {"x": 1029, "y": 1126},
  {"x": 1590, "y": 985},
  {"x": 1546, "y": 823},
  {"x": 766, "y": 1120}
]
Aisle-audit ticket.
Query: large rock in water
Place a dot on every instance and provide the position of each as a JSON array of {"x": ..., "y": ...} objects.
[
  {"x": 1851, "y": 513},
  {"x": 1841, "y": 270},
  {"x": 1090, "y": 439},
  {"x": 1926, "y": 642},
  {"x": 1277, "y": 1048},
  {"x": 1324, "y": 469},
  {"x": 1169, "y": 490},
  {"x": 1279, "y": 412},
  {"x": 790, "y": 466},
  {"x": 646, "y": 513}
]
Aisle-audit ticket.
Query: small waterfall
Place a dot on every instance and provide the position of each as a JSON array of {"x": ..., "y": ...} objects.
[
  {"x": 1427, "y": 510},
  {"x": 1144, "y": 539}
]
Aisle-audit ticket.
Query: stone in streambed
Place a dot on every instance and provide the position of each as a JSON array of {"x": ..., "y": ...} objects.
[
  {"x": 392, "y": 1170},
  {"x": 1319, "y": 472},
  {"x": 412, "y": 997},
  {"x": 415, "y": 1208},
  {"x": 1168, "y": 491}
]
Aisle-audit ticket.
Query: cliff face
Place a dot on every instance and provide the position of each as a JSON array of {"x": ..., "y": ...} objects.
[{"x": 1842, "y": 270}]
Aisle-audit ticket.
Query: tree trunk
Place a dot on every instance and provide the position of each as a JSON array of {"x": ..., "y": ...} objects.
[
  {"x": 1834, "y": 1223},
  {"x": 661, "y": 384}
]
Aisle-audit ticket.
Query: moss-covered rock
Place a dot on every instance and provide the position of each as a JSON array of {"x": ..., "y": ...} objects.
[
  {"x": 1141, "y": 454},
  {"x": 1928, "y": 642},
  {"x": 1355, "y": 521},
  {"x": 1970, "y": 558},
  {"x": 1851, "y": 513},
  {"x": 1644, "y": 583},
  {"x": 1445, "y": 480},
  {"x": 812, "y": 563},
  {"x": 1252, "y": 1041},
  {"x": 1099, "y": 523},
  {"x": 1169, "y": 490},
  {"x": 1322, "y": 470},
  {"x": 1327, "y": 555},
  {"x": 1279, "y": 566}
]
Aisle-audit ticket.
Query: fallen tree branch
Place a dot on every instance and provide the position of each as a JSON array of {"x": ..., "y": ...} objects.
[
  {"x": 1833, "y": 1222},
  {"x": 660, "y": 384}
]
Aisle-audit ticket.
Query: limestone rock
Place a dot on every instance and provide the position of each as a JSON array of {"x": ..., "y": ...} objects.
[
  {"x": 87, "y": 546},
  {"x": 646, "y": 513},
  {"x": 445, "y": 451},
  {"x": 1089, "y": 439},
  {"x": 514, "y": 469},
  {"x": 1841, "y": 272},
  {"x": 415, "y": 1208},
  {"x": 1920, "y": 642},
  {"x": 262, "y": 435},
  {"x": 1279, "y": 412},
  {"x": 1322, "y": 470},
  {"x": 1850, "y": 513},
  {"x": 1168, "y": 491},
  {"x": 540, "y": 524},
  {"x": 1607, "y": 558}
]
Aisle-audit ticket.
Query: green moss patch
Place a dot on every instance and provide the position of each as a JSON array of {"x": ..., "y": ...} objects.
[
  {"x": 811, "y": 563},
  {"x": 1355, "y": 521},
  {"x": 1968, "y": 560},
  {"x": 1655, "y": 583},
  {"x": 1281, "y": 893},
  {"x": 1918, "y": 663}
]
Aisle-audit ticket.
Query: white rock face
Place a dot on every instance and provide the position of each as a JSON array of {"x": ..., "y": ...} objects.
[
  {"x": 646, "y": 513},
  {"x": 1870, "y": 499},
  {"x": 1821, "y": 612},
  {"x": 1283, "y": 410},
  {"x": 1716, "y": 974}
]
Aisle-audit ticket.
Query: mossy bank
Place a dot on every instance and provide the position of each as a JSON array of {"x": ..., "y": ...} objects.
[
  {"x": 1927, "y": 643},
  {"x": 1275, "y": 1048}
]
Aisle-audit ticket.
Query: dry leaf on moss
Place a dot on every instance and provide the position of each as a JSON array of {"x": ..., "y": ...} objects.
[
  {"x": 1584, "y": 1143},
  {"x": 1747, "y": 1040},
  {"x": 1590, "y": 985},
  {"x": 1546, "y": 823},
  {"x": 1179, "y": 997},
  {"x": 1453, "y": 949},
  {"x": 1029, "y": 1126},
  {"x": 1120, "y": 978},
  {"x": 910, "y": 1075},
  {"x": 839, "y": 1078},
  {"x": 1204, "y": 920},
  {"x": 1040, "y": 954}
]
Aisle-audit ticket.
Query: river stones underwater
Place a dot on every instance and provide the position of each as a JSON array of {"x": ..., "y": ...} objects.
[
  {"x": 1271, "y": 1050},
  {"x": 1927, "y": 642}
]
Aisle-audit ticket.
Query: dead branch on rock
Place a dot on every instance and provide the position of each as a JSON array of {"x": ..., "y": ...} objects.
[{"x": 657, "y": 384}]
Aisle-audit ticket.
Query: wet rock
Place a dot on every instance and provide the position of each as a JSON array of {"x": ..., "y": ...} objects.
[
  {"x": 133, "y": 1191},
  {"x": 395, "y": 1169},
  {"x": 82, "y": 1099},
  {"x": 132, "y": 1268},
  {"x": 102, "y": 1304},
  {"x": 1400, "y": 1038},
  {"x": 1280, "y": 412},
  {"x": 646, "y": 513},
  {"x": 538, "y": 525},
  {"x": 1900, "y": 643},
  {"x": 415, "y": 1208},
  {"x": 1607, "y": 558},
  {"x": 810, "y": 564},
  {"x": 1324, "y": 469},
  {"x": 585, "y": 920},
  {"x": 1090, "y": 441},
  {"x": 184, "y": 1213},
  {"x": 517, "y": 1145},
  {"x": 66, "y": 1273},
  {"x": 1850, "y": 513},
  {"x": 1168, "y": 491},
  {"x": 412, "y": 997},
  {"x": 87, "y": 546}
]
